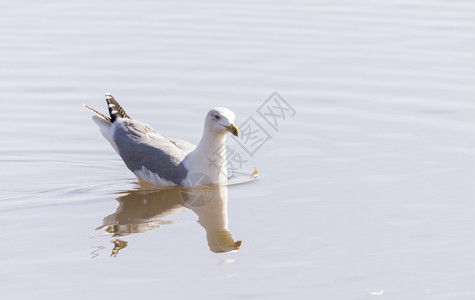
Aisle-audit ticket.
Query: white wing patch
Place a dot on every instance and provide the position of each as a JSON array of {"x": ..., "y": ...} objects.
[{"x": 146, "y": 175}]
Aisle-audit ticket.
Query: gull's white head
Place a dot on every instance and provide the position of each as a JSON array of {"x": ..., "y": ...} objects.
[{"x": 220, "y": 120}]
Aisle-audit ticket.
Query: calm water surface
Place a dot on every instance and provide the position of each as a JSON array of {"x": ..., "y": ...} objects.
[{"x": 366, "y": 176}]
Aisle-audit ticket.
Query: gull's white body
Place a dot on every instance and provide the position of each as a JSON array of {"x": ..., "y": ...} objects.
[{"x": 165, "y": 161}]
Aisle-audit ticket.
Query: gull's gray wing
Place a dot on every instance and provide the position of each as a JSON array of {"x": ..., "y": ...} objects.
[
  {"x": 183, "y": 145},
  {"x": 140, "y": 146}
]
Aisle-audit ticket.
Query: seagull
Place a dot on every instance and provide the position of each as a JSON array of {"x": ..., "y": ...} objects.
[{"x": 164, "y": 161}]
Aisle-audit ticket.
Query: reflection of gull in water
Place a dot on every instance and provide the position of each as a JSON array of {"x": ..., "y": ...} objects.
[{"x": 143, "y": 209}]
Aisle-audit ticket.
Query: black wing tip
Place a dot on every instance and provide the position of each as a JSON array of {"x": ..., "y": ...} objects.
[{"x": 115, "y": 110}]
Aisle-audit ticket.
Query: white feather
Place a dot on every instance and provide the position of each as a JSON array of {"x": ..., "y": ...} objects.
[
  {"x": 107, "y": 130},
  {"x": 146, "y": 175}
]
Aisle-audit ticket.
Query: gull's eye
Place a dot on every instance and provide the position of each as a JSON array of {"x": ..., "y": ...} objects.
[{"x": 216, "y": 117}]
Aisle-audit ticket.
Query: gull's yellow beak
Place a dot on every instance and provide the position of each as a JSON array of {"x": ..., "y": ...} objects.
[{"x": 233, "y": 129}]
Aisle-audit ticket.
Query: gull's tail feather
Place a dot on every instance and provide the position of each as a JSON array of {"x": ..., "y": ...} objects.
[
  {"x": 98, "y": 113},
  {"x": 107, "y": 130},
  {"x": 104, "y": 122},
  {"x": 115, "y": 110}
]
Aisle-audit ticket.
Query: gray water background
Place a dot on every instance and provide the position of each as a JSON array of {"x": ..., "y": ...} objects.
[{"x": 367, "y": 188}]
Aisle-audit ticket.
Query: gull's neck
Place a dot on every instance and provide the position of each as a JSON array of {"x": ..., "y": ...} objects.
[{"x": 209, "y": 158}]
